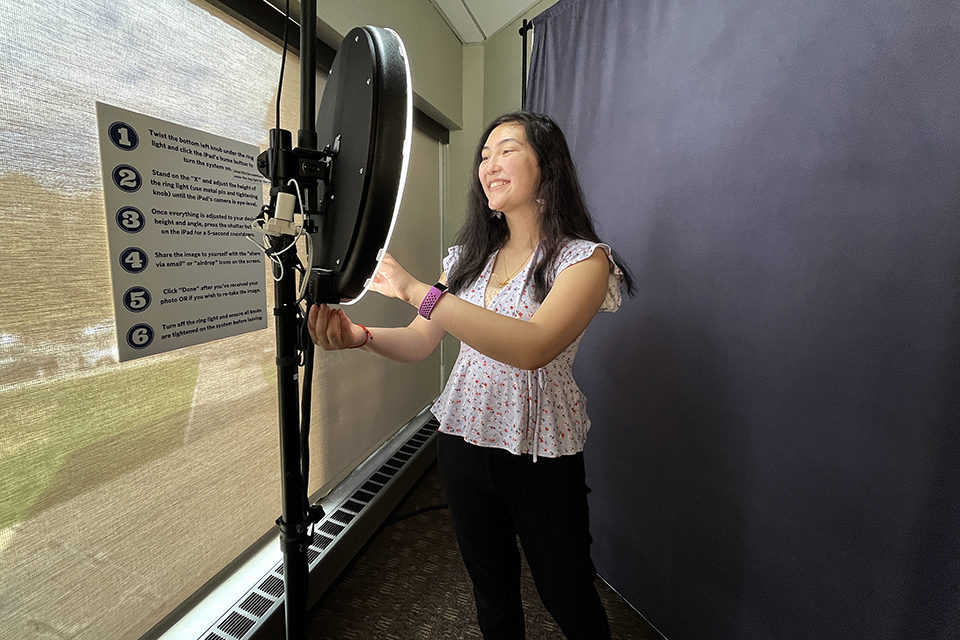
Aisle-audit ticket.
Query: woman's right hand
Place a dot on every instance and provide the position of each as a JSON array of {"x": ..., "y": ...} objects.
[{"x": 331, "y": 329}]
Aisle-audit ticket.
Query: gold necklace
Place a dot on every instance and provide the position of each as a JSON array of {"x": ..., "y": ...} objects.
[
  {"x": 494, "y": 287},
  {"x": 523, "y": 263}
]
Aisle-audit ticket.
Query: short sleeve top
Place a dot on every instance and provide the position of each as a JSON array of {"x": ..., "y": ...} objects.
[{"x": 491, "y": 404}]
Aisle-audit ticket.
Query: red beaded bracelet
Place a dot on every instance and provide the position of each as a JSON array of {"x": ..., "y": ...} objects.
[{"x": 367, "y": 338}]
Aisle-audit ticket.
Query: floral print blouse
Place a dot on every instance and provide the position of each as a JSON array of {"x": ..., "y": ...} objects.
[{"x": 491, "y": 404}]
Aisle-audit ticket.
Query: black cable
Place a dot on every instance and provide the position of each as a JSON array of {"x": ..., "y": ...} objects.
[
  {"x": 305, "y": 401},
  {"x": 283, "y": 64},
  {"x": 266, "y": 209},
  {"x": 306, "y": 349}
]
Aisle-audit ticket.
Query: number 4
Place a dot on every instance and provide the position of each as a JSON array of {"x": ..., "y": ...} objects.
[{"x": 133, "y": 259}]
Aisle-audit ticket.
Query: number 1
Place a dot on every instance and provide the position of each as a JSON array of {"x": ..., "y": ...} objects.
[{"x": 124, "y": 136}]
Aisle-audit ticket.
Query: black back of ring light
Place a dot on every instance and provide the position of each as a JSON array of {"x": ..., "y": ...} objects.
[{"x": 350, "y": 166}]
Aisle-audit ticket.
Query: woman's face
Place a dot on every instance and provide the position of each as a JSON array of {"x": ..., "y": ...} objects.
[{"x": 508, "y": 170}]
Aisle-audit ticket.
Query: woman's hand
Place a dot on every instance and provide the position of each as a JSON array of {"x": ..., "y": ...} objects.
[
  {"x": 393, "y": 281},
  {"x": 331, "y": 329}
]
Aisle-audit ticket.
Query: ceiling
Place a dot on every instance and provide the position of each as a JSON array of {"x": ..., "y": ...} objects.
[{"x": 477, "y": 20}]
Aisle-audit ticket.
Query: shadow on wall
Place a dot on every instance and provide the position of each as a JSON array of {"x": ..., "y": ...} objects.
[{"x": 677, "y": 468}]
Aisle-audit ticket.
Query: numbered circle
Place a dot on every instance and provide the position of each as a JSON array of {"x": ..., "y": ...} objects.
[
  {"x": 133, "y": 260},
  {"x": 127, "y": 178},
  {"x": 131, "y": 219},
  {"x": 136, "y": 299},
  {"x": 124, "y": 136},
  {"x": 140, "y": 336}
]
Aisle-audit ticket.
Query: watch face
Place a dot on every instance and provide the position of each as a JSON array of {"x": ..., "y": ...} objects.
[{"x": 440, "y": 286}]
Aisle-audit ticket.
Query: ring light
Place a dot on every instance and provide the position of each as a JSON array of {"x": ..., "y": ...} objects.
[{"x": 366, "y": 117}]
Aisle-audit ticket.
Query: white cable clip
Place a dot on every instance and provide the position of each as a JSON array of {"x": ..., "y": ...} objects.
[{"x": 281, "y": 224}]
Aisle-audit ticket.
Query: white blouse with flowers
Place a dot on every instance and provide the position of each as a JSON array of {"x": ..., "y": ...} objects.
[{"x": 491, "y": 404}]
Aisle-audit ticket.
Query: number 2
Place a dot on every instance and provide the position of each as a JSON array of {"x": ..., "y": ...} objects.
[{"x": 126, "y": 178}]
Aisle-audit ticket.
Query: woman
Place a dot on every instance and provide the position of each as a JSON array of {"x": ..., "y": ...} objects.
[{"x": 525, "y": 279}]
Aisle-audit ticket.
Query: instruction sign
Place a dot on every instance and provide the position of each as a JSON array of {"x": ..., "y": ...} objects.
[{"x": 179, "y": 204}]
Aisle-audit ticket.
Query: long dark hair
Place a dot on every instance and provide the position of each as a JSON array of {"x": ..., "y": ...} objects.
[{"x": 563, "y": 213}]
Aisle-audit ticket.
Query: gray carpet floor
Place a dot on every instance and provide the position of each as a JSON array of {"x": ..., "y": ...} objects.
[{"x": 409, "y": 583}]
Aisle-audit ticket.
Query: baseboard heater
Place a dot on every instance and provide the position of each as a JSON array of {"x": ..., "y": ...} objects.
[{"x": 353, "y": 513}]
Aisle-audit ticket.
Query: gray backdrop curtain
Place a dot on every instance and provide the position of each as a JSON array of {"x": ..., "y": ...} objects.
[{"x": 775, "y": 449}]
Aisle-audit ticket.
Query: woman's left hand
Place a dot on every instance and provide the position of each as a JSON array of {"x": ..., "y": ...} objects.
[
  {"x": 393, "y": 281},
  {"x": 331, "y": 329}
]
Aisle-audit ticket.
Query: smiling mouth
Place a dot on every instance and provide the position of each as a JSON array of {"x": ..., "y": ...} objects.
[{"x": 497, "y": 183}]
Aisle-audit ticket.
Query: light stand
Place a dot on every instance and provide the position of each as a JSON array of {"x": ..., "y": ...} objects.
[
  {"x": 524, "y": 28},
  {"x": 365, "y": 124},
  {"x": 296, "y": 515}
]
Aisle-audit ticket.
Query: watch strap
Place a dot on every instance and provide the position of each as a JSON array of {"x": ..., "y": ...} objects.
[{"x": 430, "y": 300}]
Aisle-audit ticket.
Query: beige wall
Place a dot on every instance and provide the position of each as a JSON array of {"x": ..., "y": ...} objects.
[
  {"x": 491, "y": 87},
  {"x": 447, "y": 78},
  {"x": 459, "y": 165},
  {"x": 463, "y": 143},
  {"x": 434, "y": 50}
]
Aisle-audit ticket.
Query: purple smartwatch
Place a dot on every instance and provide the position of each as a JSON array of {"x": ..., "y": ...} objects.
[{"x": 430, "y": 300}]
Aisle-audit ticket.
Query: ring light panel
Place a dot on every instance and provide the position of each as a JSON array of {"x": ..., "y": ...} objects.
[{"x": 367, "y": 114}]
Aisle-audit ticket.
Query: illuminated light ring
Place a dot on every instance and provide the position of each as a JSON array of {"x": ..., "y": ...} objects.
[{"x": 407, "y": 144}]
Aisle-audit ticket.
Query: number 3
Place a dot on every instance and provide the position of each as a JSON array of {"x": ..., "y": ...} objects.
[{"x": 130, "y": 219}]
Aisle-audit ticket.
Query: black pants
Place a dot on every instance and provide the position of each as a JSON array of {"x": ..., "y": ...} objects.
[{"x": 494, "y": 497}]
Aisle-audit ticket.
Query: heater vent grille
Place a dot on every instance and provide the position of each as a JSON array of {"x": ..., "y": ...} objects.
[
  {"x": 343, "y": 516},
  {"x": 363, "y": 496},
  {"x": 353, "y": 505},
  {"x": 272, "y": 586},
  {"x": 236, "y": 624},
  {"x": 321, "y": 542},
  {"x": 372, "y": 486},
  {"x": 243, "y": 620},
  {"x": 256, "y": 605}
]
